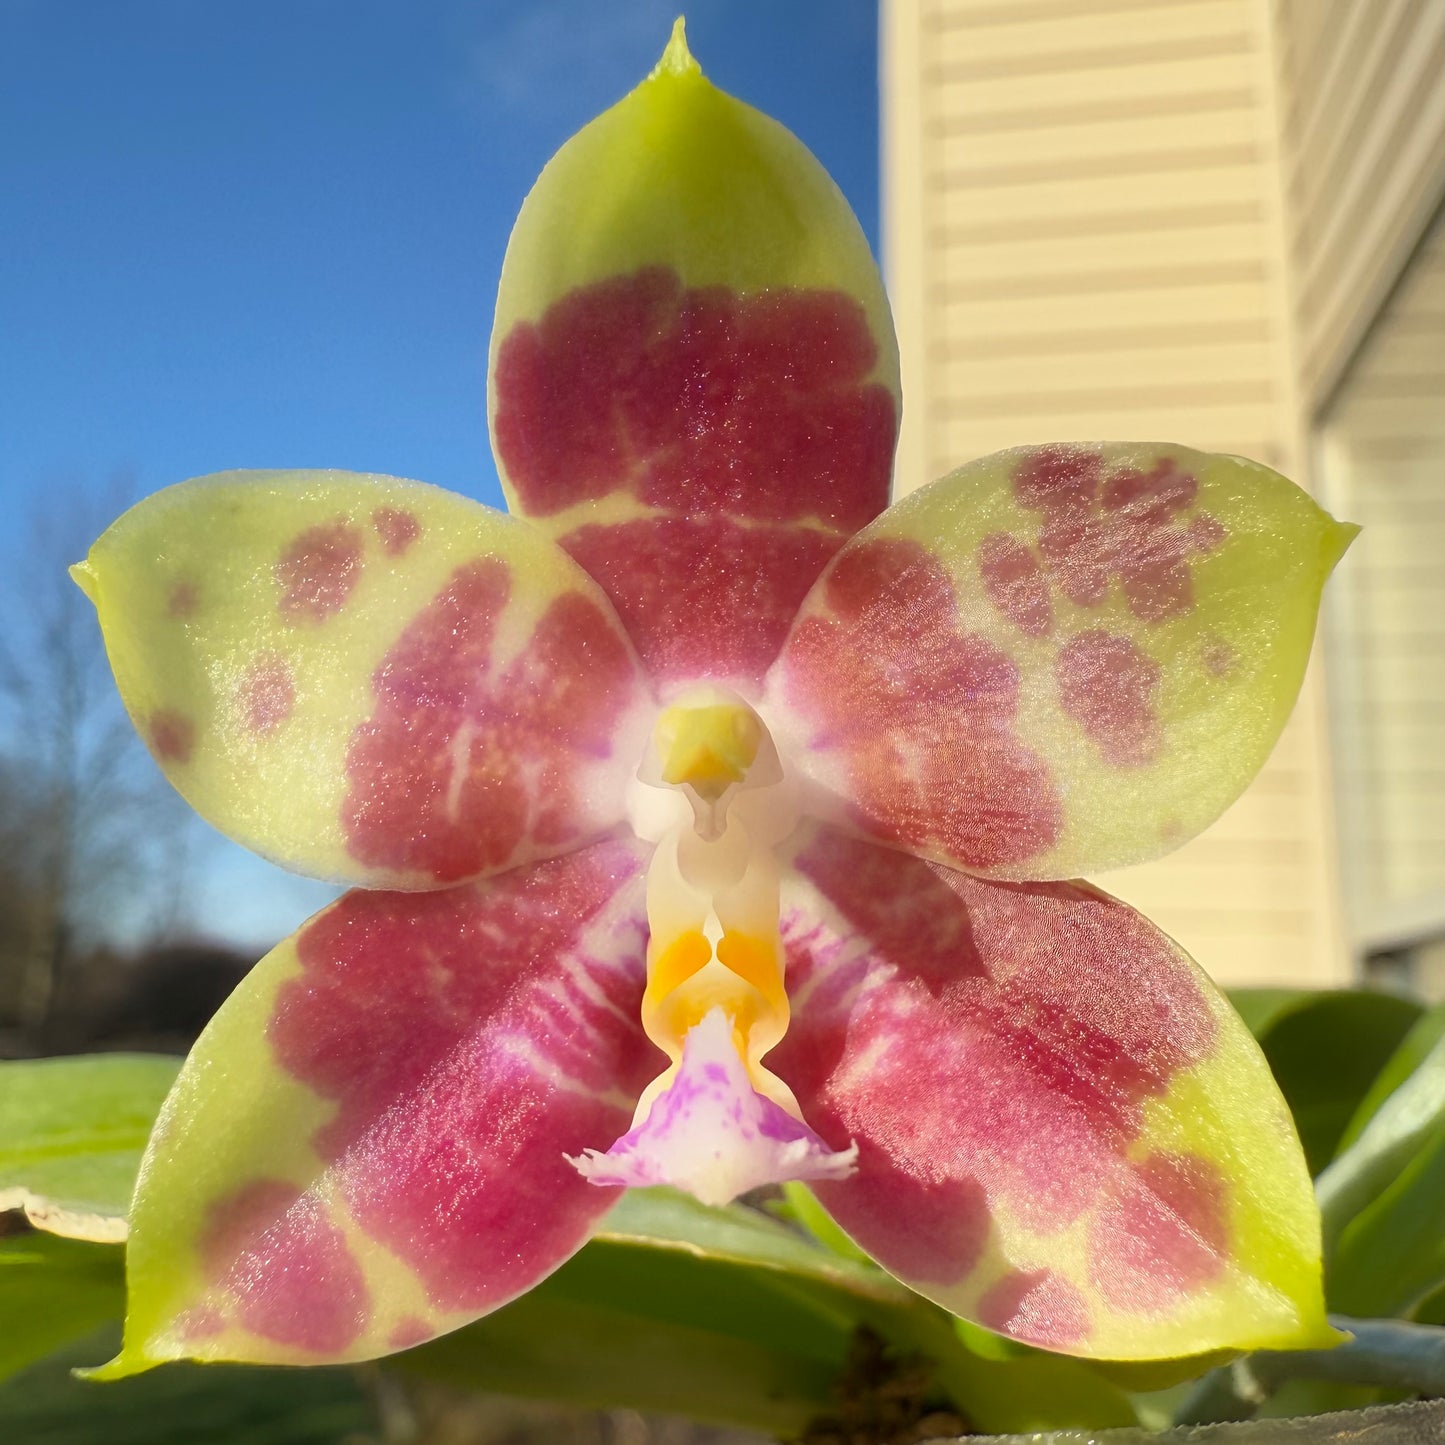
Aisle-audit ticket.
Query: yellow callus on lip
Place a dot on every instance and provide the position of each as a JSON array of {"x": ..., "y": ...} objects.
[{"x": 709, "y": 748}]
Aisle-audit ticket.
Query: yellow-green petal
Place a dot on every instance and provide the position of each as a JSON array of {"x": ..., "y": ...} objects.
[
  {"x": 368, "y": 679},
  {"x": 1057, "y": 659},
  {"x": 694, "y": 381},
  {"x": 367, "y": 1146}
]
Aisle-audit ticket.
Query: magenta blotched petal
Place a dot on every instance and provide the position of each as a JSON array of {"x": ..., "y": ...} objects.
[
  {"x": 367, "y": 1147},
  {"x": 1041, "y": 1087}
]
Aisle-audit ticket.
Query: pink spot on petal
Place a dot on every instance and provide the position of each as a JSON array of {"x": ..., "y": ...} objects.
[
  {"x": 987, "y": 1045},
  {"x": 1038, "y": 1307},
  {"x": 697, "y": 401},
  {"x": 746, "y": 426},
  {"x": 289, "y": 1267},
  {"x": 408, "y": 1332},
  {"x": 471, "y": 1038},
  {"x": 267, "y": 693},
  {"x": 396, "y": 529},
  {"x": 463, "y": 766},
  {"x": 1127, "y": 524},
  {"x": 184, "y": 598},
  {"x": 704, "y": 597},
  {"x": 1165, "y": 1235},
  {"x": 1106, "y": 684},
  {"x": 172, "y": 735},
  {"x": 920, "y": 711},
  {"x": 1220, "y": 658},
  {"x": 1058, "y": 477},
  {"x": 1015, "y": 583},
  {"x": 318, "y": 570}
]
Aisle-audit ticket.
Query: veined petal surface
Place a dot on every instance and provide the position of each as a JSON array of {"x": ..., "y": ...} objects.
[
  {"x": 694, "y": 382},
  {"x": 368, "y": 679},
  {"x": 1047, "y": 1097},
  {"x": 1057, "y": 659},
  {"x": 366, "y": 1146}
]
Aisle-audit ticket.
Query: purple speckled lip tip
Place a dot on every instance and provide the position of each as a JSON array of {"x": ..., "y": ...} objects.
[{"x": 711, "y": 1133}]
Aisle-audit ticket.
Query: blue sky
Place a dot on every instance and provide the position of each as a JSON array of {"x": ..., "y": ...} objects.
[{"x": 269, "y": 233}]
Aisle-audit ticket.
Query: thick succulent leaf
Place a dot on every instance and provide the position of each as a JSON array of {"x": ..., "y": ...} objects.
[
  {"x": 723, "y": 1315},
  {"x": 1065, "y": 1133},
  {"x": 1403, "y": 1126},
  {"x": 53, "y": 1291},
  {"x": 1057, "y": 659},
  {"x": 694, "y": 382},
  {"x": 1325, "y": 1049},
  {"x": 187, "y": 1404},
  {"x": 1414, "y": 1049},
  {"x": 1391, "y": 1256},
  {"x": 71, "y": 1135},
  {"x": 367, "y": 679},
  {"x": 366, "y": 1146}
]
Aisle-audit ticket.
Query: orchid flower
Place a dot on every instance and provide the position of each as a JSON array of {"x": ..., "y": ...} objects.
[{"x": 711, "y": 825}]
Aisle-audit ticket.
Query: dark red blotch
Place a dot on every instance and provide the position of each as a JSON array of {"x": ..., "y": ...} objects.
[
  {"x": 456, "y": 770},
  {"x": 470, "y": 1041},
  {"x": 288, "y": 1266},
  {"x": 1107, "y": 684},
  {"x": 1012, "y": 1032},
  {"x": 746, "y": 424},
  {"x": 922, "y": 711},
  {"x": 318, "y": 570}
]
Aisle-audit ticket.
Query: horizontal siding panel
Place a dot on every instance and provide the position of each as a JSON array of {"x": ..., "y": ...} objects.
[
  {"x": 1014, "y": 35},
  {"x": 1201, "y": 100},
  {"x": 1163, "y": 305},
  {"x": 1052, "y": 207},
  {"x": 1130, "y": 225},
  {"x": 1187, "y": 69},
  {"x": 1085, "y": 256},
  {"x": 1134, "y": 367},
  {"x": 1097, "y": 343},
  {"x": 1074, "y": 144},
  {"x": 1091, "y": 58}
]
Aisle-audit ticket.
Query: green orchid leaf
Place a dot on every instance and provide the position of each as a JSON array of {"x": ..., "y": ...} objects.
[
  {"x": 71, "y": 1136},
  {"x": 53, "y": 1291},
  {"x": 185, "y": 1405},
  {"x": 1391, "y": 1256},
  {"x": 726, "y": 1315},
  {"x": 1403, "y": 1126},
  {"x": 1413, "y": 1050},
  {"x": 658, "y": 1329},
  {"x": 669, "y": 1219},
  {"x": 1325, "y": 1050}
]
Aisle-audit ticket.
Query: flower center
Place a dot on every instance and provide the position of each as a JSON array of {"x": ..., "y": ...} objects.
[
  {"x": 712, "y": 886},
  {"x": 712, "y": 794}
]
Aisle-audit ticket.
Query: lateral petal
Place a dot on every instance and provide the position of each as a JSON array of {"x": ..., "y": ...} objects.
[
  {"x": 694, "y": 382},
  {"x": 367, "y": 679},
  {"x": 1065, "y": 1133},
  {"x": 1057, "y": 659},
  {"x": 367, "y": 1146}
]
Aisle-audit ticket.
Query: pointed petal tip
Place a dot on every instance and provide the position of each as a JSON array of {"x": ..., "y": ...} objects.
[
  {"x": 677, "y": 60},
  {"x": 125, "y": 1364},
  {"x": 84, "y": 576},
  {"x": 1337, "y": 539}
]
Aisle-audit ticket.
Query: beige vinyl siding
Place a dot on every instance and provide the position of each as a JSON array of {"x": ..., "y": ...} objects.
[
  {"x": 1364, "y": 154},
  {"x": 1384, "y": 454},
  {"x": 1083, "y": 240}
]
